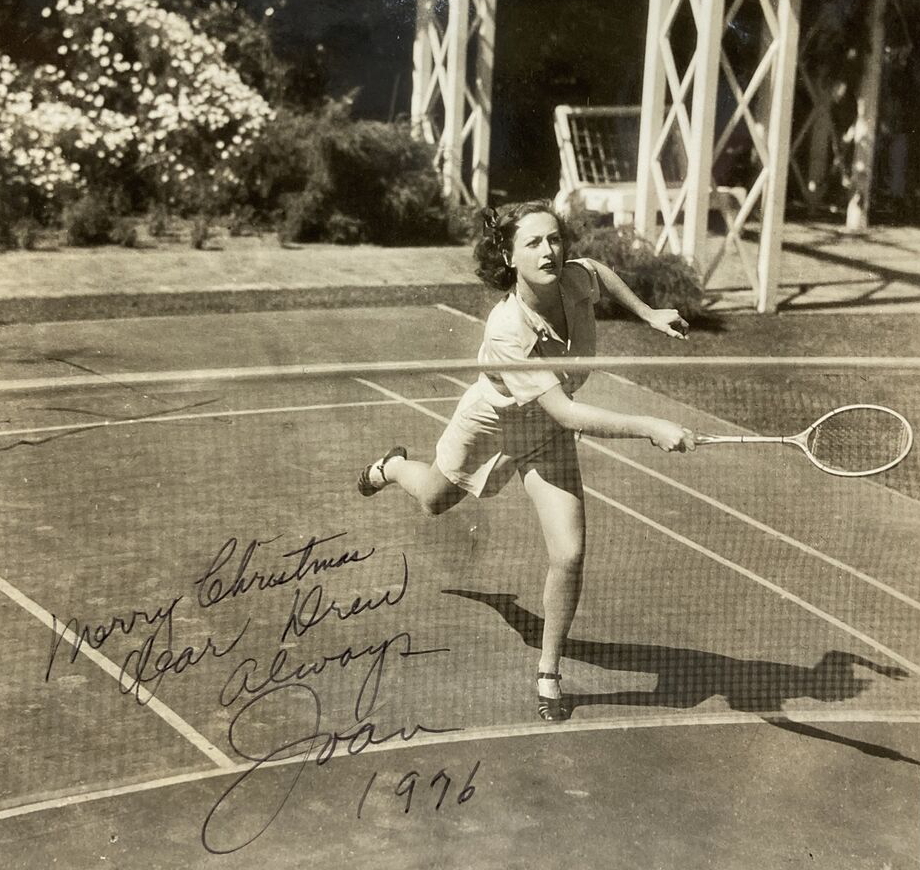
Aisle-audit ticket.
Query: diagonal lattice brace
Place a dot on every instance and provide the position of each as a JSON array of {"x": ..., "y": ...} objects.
[
  {"x": 453, "y": 57},
  {"x": 684, "y": 211}
]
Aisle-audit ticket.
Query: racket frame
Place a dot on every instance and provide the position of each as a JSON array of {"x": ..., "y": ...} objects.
[{"x": 801, "y": 440}]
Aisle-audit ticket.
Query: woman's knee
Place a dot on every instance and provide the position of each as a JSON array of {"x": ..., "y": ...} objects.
[
  {"x": 567, "y": 558},
  {"x": 434, "y": 506},
  {"x": 436, "y": 500}
]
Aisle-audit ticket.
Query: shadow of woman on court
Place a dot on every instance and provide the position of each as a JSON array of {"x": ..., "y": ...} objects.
[{"x": 688, "y": 677}]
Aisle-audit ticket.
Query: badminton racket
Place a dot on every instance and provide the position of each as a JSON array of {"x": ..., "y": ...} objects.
[{"x": 851, "y": 441}]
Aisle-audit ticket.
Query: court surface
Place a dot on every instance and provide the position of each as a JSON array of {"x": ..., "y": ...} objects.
[{"x": 744, "y": 664}]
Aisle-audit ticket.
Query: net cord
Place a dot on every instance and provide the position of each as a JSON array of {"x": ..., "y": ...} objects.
[{"x": 398, "y": 367}]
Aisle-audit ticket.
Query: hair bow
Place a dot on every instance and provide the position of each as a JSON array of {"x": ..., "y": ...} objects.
[{"x": 490, "y": 225}]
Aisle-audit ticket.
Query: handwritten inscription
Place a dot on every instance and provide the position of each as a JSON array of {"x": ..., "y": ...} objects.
[
  {"x": 310, "y": 609},
  {"x": 256, "y": 683},
  {"x": 406, "y": 788},
  {"x": 95, "y": 636},
  {"x": 315, "y": 745},
  {"x": 215, "y": 586}
]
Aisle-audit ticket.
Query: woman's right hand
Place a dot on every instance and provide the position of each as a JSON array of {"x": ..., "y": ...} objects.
[{"x": 671, "y": 436}]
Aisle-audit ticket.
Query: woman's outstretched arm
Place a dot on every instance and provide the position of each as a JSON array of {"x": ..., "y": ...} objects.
[
  {"x": 581, "y": 417},
  {"x": 666, "y": 320}
]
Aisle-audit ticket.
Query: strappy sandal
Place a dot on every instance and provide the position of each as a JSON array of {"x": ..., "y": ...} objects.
[
  {"x": 366, "y": 485},
  {"x": 551, "y": 709}
]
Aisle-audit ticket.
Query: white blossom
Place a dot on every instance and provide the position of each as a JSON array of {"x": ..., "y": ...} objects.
[{"x": 202, "y": 105}]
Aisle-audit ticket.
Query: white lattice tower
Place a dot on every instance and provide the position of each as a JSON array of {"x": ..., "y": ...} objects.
[
  {"x": 666, "y": 119},
  {"x": 451, "y": 97}
]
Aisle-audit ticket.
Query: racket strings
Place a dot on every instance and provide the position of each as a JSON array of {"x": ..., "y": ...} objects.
[{"x": 859, "y": 440}]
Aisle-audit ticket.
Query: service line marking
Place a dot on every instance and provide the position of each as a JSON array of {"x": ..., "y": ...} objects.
[{"x": 248, "y": 412}]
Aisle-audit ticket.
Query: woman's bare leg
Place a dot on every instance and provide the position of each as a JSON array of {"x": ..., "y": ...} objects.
[
  {"x": 561, "y": 511},
  {"x": 425, "y": 483}
]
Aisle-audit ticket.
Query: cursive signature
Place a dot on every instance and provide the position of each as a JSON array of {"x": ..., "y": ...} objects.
[{"x": 316, "y": 745}]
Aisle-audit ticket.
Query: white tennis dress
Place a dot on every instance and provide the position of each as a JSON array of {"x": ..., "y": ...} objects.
[{"x": 498, "y": 427}]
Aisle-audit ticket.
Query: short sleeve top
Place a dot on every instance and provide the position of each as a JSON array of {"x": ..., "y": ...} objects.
[{"x": 515, "y": 332}]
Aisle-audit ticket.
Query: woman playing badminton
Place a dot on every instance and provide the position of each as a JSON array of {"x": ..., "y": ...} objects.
[{"x": 527, "y": 422}]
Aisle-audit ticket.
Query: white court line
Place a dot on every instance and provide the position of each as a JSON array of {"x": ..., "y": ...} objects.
[
  {"x": 773, "y": 587},
  {"x": 352, "y": 369},
  {"x": 763, "y": 527},
  {"x": 733, "y": 512},
  {"x": 228, "y": 767},
  {"x": 411, "y": 403},
  {"x": 705, "y": 551},
  {"x": 198, "y": 740},
  {"x": 739, "y": 515},
  {"x": 494, "y": 732},
  {"x": 455, "y": 381},
  {"x": 249, "y": 412},
  {"x": 457, "y": 312},
  {"x": 849, "y": 716}
]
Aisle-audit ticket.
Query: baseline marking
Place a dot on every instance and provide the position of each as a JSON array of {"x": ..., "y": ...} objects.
[
  {"x": 710, "y": 554},
  {"x": 500, "y": 732},
  {"x": 198, "y": 740}
]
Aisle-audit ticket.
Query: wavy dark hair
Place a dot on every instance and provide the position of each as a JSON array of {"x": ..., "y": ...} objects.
[{"x": 498, "y": 230}]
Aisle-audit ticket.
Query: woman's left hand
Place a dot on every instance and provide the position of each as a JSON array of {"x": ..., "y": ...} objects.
[{"x": 668, "y": 321}]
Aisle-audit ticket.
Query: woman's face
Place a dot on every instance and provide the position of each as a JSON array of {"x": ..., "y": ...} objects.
[{"x": 537, "y": 252}]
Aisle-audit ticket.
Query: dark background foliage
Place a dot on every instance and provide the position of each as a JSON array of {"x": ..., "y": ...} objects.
[{"x": 356, "y": 57}]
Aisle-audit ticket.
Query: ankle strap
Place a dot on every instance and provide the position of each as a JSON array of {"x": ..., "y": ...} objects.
[{"x": 542, "y": 675}]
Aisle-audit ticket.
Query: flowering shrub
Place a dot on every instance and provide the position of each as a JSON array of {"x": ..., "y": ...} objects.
[
  {"x": 137, "y": 96},
  {"x": 33, "y": 164}
]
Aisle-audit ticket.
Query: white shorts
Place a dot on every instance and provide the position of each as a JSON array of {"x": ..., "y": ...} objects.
[{"x": 482, "y": 447}]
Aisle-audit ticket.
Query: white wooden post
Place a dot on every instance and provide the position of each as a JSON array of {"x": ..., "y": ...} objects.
[
  {"x": 653, "y": 90},
  {"x": 702, "y": 129},
  {"x": 866, "y": 124},
  {"x": 422, "y": 71},
  {"x": 485, "y": 64},
  {"x": 774, "y": 202},
  {"x": 458, "y": 23},
  {"x": 449, "y": 110}
]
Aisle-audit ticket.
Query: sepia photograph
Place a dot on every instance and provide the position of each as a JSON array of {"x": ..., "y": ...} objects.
[{"x": 463, "y": 434}]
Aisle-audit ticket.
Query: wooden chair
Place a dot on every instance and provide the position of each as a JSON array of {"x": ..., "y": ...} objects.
[{"x": 598, "y": 157}]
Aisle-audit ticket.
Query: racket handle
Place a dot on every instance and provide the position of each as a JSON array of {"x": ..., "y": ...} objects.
[{"x": 701, "y": 438}]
